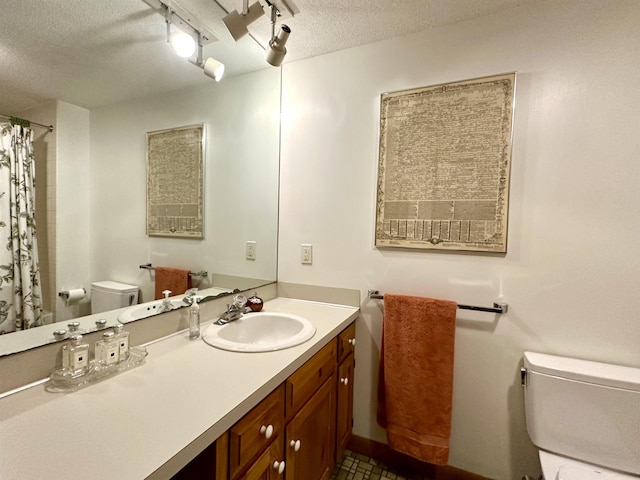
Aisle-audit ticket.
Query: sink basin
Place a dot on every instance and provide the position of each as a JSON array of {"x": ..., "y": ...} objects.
[
  {"x": 145, "y": 310},
  {"x": 260, "y": 332}
]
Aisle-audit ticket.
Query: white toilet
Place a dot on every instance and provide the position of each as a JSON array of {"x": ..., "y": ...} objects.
[
  {"x": 583, "y": 416},
  {"x": 108, "y": 295}
]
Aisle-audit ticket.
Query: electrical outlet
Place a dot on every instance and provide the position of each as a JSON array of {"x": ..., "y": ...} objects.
[
  {"x": 306, "y": 254},
  {"x": 251, "y": 250}
]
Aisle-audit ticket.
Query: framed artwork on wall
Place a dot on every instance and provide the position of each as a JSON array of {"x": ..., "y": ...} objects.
[
  {"x": 443, "y": 167},
  {"x": 175, "y": 182}
]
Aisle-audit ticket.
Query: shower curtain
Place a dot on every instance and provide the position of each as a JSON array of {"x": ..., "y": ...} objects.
[{"x": 20, "y": 293}]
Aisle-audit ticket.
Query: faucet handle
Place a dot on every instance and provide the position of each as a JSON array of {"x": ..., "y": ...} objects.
[{"x": 166, "y": 293}]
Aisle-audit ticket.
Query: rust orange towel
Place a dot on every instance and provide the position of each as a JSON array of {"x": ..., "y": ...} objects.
[
  {"x": 415, "y": 378},
  {"x": 174, "y": 279}
]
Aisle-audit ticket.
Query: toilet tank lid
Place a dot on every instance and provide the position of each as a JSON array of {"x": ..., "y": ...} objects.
[
  {"x": 617, "y": 376},
  {"x": 110, "y": 286}
]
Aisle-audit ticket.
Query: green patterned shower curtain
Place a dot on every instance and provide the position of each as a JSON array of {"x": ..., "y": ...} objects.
[{"x": 20, "y": 293}]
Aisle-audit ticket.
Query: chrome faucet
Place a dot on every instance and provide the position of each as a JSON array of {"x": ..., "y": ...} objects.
[
  {"x": 188, "y": 296},
  {"x": 234, "y": 311}
]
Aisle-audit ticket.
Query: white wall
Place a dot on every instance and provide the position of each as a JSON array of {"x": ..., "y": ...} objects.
[
  {"x": 72, "y": 205},
  {"x": 241, "y": 176},
  {"x": 572, "y": 272}
]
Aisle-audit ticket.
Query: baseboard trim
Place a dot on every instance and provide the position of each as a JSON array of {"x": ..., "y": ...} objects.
[{"x": 384, "y": 453}]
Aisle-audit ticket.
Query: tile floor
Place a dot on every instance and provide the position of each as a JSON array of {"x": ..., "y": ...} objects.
[{"x": 354, "y": 466}]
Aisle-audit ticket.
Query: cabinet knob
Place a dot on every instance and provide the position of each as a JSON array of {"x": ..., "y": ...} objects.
[
  {"x": 279, "y": 466},
  {"x": 266, "y": 431},
  {"x": 295, "y": 444},
  {"x": 344, "y": 381},
  {"x": 352, "y": 341}
]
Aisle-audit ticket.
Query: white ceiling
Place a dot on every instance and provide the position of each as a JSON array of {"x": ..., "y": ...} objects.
[{"x": 93, "y": 53}]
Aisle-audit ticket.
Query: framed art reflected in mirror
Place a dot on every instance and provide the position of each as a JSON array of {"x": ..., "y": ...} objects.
[{"x": 175, "y": 163}]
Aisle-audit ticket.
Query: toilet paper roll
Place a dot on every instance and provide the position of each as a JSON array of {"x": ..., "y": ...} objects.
[{"x": 74, "y": 295}]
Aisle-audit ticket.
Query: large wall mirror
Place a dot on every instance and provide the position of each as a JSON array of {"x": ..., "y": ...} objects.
[{"x": 92, "y": 171}]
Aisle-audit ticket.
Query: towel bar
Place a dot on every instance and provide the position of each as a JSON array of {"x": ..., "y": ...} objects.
[
  {"x": 201, "y": 273},
  {"x": 499, "y": 308}
]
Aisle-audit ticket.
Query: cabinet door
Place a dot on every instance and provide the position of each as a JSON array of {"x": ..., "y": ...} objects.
[
  {"x": 261, "y": 469},
  {"x": 250, "y": 435},
  {"x": 310, "y": 439},
  {"x": 304, "y": 382},
  {"x": 346, "y": 342},
  {"x": 269, "y": 466},
  {"x": 344, "y": 417}
]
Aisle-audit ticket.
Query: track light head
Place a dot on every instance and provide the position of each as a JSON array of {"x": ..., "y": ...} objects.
[
  {"x": 276, "y": 50},
  {"x": 213, "y": 68},
  {"x": 237, "y": 23},
  {"x": 182, "y": 43}
]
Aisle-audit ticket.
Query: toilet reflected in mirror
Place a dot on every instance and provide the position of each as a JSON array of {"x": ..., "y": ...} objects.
[{"x": 109, "y": 295}]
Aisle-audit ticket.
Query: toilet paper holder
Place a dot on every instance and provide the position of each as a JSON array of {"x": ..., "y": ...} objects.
[{"x": 72, "y": 295}]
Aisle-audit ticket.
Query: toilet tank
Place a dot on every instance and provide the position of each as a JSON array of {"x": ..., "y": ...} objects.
[
  {"x": 108, "y": 295},
  {"x": 584, "y": 410}
]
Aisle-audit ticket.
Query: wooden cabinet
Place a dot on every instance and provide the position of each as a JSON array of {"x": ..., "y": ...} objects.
[
  {"x": 297, "y": 432},
  {"x": 256, "y": 441},
  {"x": 310, "y": 438},
  {"x": 346, "y": 342},
  {"x": 255, "y": 431},
  {"x": 304, "y": 382},
  {"x": 344, "y": 409},
  {"x": 269, "y": 466}
]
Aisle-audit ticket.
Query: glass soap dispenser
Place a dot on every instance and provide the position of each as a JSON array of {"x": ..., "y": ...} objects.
[
  {"x": 107, "y": 350},
  {"x": 75, "y": 357},
  {"x": 194, "y": 317},
  {"x": 122, "y": 338}
]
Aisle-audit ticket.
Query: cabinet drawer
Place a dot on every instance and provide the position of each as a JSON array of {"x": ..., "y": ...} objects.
[
  {"x": 268, "y": 464},
  {"x": 255, "y": 431},
  {"x": 303, "y": 383},
  {"x": 346, "y": 341}
]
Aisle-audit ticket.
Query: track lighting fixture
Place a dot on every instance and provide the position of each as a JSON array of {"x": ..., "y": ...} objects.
[
  {"x": 237, "y": 23},
  {"x": 181, "y": 42},
  {"x": 211, "y": 67},
  {"x": 189, "y": 34},
  {"x": 185, "y": 44},
  {"x": 276, "y": 51}
]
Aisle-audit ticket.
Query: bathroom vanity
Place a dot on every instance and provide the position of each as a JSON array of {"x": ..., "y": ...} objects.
[
  {"x": 298, "y": 432},
  {"x": 194, "y": 408}
]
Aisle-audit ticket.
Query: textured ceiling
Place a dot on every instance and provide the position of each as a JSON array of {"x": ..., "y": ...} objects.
[{"x": 93, "y": 53}]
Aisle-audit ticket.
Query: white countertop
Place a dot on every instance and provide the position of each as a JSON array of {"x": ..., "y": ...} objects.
[{"x": 151, "y": 420}]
